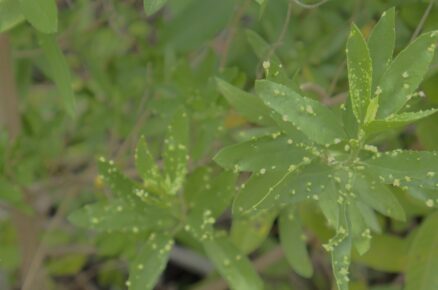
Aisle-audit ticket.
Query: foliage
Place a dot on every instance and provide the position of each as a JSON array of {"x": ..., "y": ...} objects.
[{"x": 246, "y": 140}]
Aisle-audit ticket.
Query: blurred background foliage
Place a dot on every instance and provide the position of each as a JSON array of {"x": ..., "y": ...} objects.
[{"x": 131, "y": 72}]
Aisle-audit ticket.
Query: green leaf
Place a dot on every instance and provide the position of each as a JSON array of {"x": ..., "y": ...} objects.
[
  {"x": 304, "y": 181},
  {"x": 378, "y": 196},
  {"x": 262, "y": 154},
  {"x": 360, "y": 232},
  {"x": 272, "y": 65},
  {"x": 150, "y": 262},
  {"x": 405, "y": 73},
  {"x": 216, "y": 193},
  {"x": 387, "y": 253},
  {"x": 176, "y": 152},
  {"x": 121, "y": 215},
  {"x": 146, "y": 166},
  {"x": 250, "y": 232},
  {"x": 66, "y": 265},
  {"x": 12, "y": 195},
  {"x": 152, "y": 6},
  {"x": 59, "y": 70},
  {"x": 234, "y": 267},
  {"x": 340, "y": 246},
  {"x": 405, "y": 169},
  {"x": 42, "y": 14},
  {"x": 305, "y": 114},
  {"x": 421, "y": 271},
  {"x": 381, "y": 44},
  {"x": 359, "y": 73},
  {"x": 293, "y": 242},
  {"x": 248, "y": 105},
  {"x": 10, "y": 14},
  {"x": 397, "y": 121}
]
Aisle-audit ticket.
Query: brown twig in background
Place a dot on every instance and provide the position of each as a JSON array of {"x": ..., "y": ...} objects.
[{"x": 423, "y": 20}]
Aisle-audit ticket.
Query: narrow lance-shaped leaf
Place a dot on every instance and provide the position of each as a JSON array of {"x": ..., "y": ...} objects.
[
  {"x": 59, "y": 70},
  {"x": 150, "y": 262},
  {"x": 340, "y": 248},
  {"x": 381, "y": 44},
  {"x": 293, "y": 242},
  {"x": 248, "y": 105},
  {"x": 152, "y": 6},
  {"x": 42, "y": 14},
  {"x": 234, "y": 267},
  {"x": 421, "y": 271},
  {"x": 360, "y": 232},
  {"x": 146, "y": 165},
  {"x": 397, "y": 121},
  {"x": 176, "y": 152},
  {"x": 359, "y": 73},
  {"x": 121, "y": 215},
  {"x": 315, "y": 120},
  {"x": 405, "y": 73}
]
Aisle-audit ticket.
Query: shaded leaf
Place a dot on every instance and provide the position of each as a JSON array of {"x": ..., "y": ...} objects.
[
  {"x": 59, "y": 70},
  {"x": 293, "y": 242},
  {"x": 421, "y": 271},
  {"x": 249, "y": 105}
]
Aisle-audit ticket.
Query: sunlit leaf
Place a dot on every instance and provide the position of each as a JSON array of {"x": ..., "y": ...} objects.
[{"x": 42, "y": 14}]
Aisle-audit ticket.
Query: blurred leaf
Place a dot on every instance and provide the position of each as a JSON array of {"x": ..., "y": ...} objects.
[
  {"x": 305, "y": 114},
  {"x": 150, "y": 262},
  {"x": 234, "y": 267},
  {"x": 120, "y": 215},
  {"x": 387, "y": 253},
  {"x": 423, "y": 257},
  {"x": 58, "y": 69},
  {"x": 405, "y": 74},
  {"x": 146, "y": 166},
  {"x": 249, "y": 233},
  {"x": 152, "y": 6},
  {"x": 249, "y": 105},
  {"x": 175, "y": 152},
  {"x": 42, "y": 14},
  {"x": 293, "y": 242},
  {"x": 10, "y": 14},
  {"x": 359, "y": 73},
  {"x": 66, "y": 265}
]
